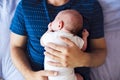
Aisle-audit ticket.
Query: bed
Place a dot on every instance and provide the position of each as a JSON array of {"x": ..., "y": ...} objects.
[
  {"x": 110, "y": 70},
  {"x": 7, "y": 70}
]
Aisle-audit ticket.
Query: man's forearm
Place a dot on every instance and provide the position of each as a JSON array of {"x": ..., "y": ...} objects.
[
  {"x": 96, "y": 57},
  {"x": 20, "y": 61}
]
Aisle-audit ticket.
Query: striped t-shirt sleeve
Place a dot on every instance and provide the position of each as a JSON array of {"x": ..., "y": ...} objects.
[
  {"x": 18, "y": 23},
  {"x": 97, "y": 30}
]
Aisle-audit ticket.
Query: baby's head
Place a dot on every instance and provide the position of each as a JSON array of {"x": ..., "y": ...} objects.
[{"x": 67, "y": 20}]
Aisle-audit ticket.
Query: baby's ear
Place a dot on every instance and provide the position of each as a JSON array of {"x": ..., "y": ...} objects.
[
  {"x": 49, "y": 25},
  {"x": 61, "y": 24}
]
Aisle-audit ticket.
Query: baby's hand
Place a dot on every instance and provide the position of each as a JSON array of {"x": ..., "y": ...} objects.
[
  {"x": 85, "y": 33},
  {"x": 79, "y": 77}
]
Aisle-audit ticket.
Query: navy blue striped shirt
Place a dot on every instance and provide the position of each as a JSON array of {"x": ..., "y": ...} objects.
[{"x": 31, "y": 19}]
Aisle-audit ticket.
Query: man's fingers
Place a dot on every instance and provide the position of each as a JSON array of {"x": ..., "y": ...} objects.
[
  {"x": 55, "y": 46},
  {"x": 67, "y": 41},
  {"x": 56, "y": 58},
  {"x": 53, "y": 52},
  {"x": 56, "y": 64},
  {"x": 48, "y": 73}
]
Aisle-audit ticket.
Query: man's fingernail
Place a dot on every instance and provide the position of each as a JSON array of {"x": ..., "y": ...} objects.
[{"x": 55, "y": 73}]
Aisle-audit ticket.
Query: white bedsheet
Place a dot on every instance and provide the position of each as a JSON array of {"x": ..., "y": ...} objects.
[
  {"x": 111, "y": 10},
  {"x": 109, "y": 71},
  {"x": 7, "y": 8}
]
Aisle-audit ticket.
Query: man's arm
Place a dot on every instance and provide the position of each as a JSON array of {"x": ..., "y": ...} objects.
[
  {"x": 98, "y": 53},
  {"x": 20, "y": 60},
  {"x": 17, "y": 47},
  {"x": 66, "y": 58}
]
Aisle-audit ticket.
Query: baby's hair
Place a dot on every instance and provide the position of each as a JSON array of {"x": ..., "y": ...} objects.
[{"x": 72, "y": 19}]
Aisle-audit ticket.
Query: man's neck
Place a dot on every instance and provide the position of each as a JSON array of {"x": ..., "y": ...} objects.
[{"x": 57, "y": 2}]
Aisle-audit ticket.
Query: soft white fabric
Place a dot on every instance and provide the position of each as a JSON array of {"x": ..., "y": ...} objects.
[
  {"x": 54, "y": 37},
  {"x": 6, "y": 13},
  {"x": 111, "y": 10},
  {"x": 111, "y": 69},
  {"x": 7, "y": 70}
]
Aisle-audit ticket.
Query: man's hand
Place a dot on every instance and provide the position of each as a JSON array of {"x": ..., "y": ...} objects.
[
  {"x": 40, "y": 75},
  {"x": 66, "y": 56}
]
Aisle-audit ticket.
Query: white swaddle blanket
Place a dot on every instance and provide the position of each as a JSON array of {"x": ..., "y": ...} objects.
[{"x": 54, "y": 37}]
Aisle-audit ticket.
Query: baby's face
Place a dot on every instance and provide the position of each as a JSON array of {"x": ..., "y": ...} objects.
[{"x": 54, "y": 25}]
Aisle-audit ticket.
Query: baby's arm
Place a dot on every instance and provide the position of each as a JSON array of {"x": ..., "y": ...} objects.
[
  {"x": 85, "y": 34},
  {"x": 79, "y": 77}
]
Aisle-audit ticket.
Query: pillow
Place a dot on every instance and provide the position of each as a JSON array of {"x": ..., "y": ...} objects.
[{"x": 111, "y": 10}]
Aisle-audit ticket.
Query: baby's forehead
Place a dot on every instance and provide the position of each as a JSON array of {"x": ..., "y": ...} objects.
[
  {"x": 69, "y": 13},
  {"x": 64, "y": 14}
]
